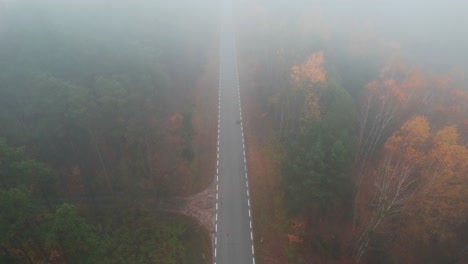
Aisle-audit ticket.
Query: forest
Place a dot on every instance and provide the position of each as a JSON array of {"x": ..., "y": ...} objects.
[
  {"x": 96, "y": 108},
  {"x": 355, "y": 116},
  {"x": 367, "y": 150}
]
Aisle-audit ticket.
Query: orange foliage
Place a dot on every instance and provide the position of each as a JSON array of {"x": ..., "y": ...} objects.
[
  {"x": 441, "y": 198},
  {"x": 446, "y": 101},
  {"x": 311, "y": 72},
  {"x": 310, "y": 78},
  {"x": 297, "y": 228},
  {"x": 294, "y": 239},
  {"x": 446, "y": 136},
  {"x": 395, "y": 95},
  {"x": 298, "y": 225},
  {"x": 397, "y": 86},
  {"x": 408, "y": 142}
]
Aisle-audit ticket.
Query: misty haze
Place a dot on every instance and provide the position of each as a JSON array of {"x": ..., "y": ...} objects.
[{"x": 234, "y": 131}]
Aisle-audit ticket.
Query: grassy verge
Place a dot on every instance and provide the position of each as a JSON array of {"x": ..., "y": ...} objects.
[{"x": 264, "y": 165}]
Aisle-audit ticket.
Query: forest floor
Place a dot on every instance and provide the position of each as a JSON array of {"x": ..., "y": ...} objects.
[
  {"x": 205, "y": 123},
  {"x": 198, "y": 201},
  {"x": 263, "y": 161}
]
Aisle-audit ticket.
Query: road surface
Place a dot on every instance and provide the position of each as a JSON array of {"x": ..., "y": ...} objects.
[{"x": 233, "y": 223}]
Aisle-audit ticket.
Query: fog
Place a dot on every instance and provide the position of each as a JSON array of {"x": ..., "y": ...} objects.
[
  {"x": 430, "y": 33},
  {"x": 355, "y": 115}
]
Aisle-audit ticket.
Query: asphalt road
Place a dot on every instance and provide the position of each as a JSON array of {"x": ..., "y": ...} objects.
[{"x": 233, "y": 239}]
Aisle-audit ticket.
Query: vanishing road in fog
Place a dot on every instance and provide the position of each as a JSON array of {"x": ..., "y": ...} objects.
[{"x": 233, "y": 239}]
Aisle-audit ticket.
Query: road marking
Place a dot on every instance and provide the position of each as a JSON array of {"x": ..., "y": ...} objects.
[
  {"x": 217, "y": 163},
  {"x": 243, "y": 150},
  {"x": 243, "y": 147}
]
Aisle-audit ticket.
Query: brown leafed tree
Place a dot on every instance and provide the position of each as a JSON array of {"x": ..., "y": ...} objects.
[
  {"x": 388, "y": 101},
  {"x": 446, "y": 100},
  {"x": 395, "y": 178},
  {"x": 441, "y": 203}
]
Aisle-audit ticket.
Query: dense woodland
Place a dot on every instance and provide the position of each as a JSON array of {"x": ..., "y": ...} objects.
[
  {"x": 96, "y": 117},
  {"x": 96, "y": 109},
  {"x": 374, "y": 142}
]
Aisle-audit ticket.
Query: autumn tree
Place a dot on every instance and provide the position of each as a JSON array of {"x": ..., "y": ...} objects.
[
  {"x": 446, "y": 100},
  {"x": 420, "y": 180},
  {"x": 441, "y": 201},
  {"x": 387, "y": 101},
  {"x": 301, "y": 102},
  {"x": 395, "y": 178}
]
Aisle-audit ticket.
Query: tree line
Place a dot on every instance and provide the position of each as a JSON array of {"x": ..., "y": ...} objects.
[
  {"x": 369, "y": 138},
  {"x": 91, "y": 95}
]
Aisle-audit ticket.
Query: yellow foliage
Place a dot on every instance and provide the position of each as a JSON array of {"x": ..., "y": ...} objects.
[
  {"x": 310, "y": 78},
  {"x": 447, "y": 136},
  {"x": 441, "y": 200},
  {"x": 409, "y": 141},
  {"x": 311, "y": 72}
]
